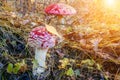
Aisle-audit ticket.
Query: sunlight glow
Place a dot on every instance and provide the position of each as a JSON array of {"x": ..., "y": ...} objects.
[
  {"x": 113, "y": 5},
  {"x": 110, "y": 2}
]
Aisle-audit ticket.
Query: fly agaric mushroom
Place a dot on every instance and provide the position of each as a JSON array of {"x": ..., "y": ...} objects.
[
  {"x": 60, "y": 10},
  {"x": 41, "y": 40}
]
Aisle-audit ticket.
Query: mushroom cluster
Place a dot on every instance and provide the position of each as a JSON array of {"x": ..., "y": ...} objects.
[{"x": 41, "y": 40}]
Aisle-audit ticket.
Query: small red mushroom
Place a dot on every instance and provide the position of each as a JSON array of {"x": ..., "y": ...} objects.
[
  {"x": 60, "y": 10},
  {"x": 41, "y": 40}
]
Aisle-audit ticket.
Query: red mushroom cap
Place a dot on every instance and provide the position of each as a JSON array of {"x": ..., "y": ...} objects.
[
  {"x": 39, "y": 37},
  {"x": 60, "y": 9}
]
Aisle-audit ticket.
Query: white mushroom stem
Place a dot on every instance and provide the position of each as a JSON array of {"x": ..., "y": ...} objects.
[
  {"x": 61, "y": 27},
  {"x": 61, "y": 20},
  {"x": 40, "y": 57}
]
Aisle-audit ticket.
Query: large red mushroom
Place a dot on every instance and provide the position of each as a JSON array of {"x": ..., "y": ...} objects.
[
  {"x": 41, "y": 40},
  {"x": 60, "y": 9}
]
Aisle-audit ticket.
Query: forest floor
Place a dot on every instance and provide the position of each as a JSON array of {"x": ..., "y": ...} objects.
[
  {"x": 66, "y": 61},
  {"x": 89, "y": 50}
]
